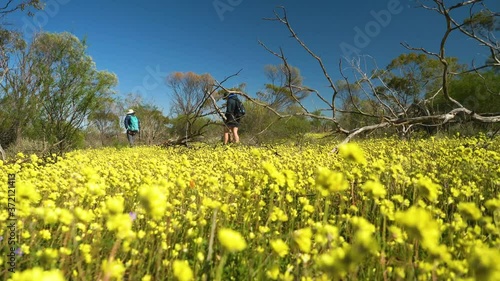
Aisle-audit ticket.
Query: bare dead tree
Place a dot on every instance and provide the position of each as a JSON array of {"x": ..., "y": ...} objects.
[{"x": 371, "y": 98}]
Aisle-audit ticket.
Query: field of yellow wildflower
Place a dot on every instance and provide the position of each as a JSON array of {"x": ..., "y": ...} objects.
[{"x": 377, "y": 210}]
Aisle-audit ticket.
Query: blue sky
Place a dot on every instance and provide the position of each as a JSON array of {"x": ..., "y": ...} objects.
[{"x": 143, "y": 41}]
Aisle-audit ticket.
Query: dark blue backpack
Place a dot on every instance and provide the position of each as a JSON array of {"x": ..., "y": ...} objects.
[{"x": 239, "y": 111}]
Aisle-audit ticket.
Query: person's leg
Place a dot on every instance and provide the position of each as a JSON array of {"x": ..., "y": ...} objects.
[
  {"x": 130, "y": 139},
  {"x": 226, "y": 134},
  {"x": 235, "y": 134}
]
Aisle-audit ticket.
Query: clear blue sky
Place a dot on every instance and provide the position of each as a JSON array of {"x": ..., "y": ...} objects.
[{"x": 143, "y": 41}]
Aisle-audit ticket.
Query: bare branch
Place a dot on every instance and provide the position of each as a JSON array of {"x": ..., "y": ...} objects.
[
  {"x": 283, "y": 19},
  {"x": 465, "y": 3},
  {"x": 358, "y": 131},
  {"x": 5, "y": 10},
  {"x": 407, "y": 46},
  {"x": 289, "y": 84}
]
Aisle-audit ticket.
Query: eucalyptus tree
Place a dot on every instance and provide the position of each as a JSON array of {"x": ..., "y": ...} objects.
[
  {"x": 8, "y": 41},
  {"x": 71, "y": 87},
  {"x": 106, "y": 119}
]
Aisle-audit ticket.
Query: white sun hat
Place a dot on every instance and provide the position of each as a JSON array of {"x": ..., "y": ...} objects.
[{"x": 130, "y": 111}]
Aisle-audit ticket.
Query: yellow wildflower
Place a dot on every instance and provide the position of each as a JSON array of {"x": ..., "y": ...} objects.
[
  {"x": 280, "y": 247},
  {"x": 113, "y": 269},
  {"x": 38, "y": 274},
  {"x": 375, "y": 188},
  {"x": 26, "y": 190},
  {"x": 352, "y": 152},
  {"x": 114, "y": 205},
  {"x": 153, "y": 200},
  {"x": 420, "y": 224},
  {"x": 303, "y": 239},
  {"x": 273, "y": 273},
  {"x": 469, "y": 210},
  {"x": 328, "y": 181},
  {"x": 231, "y": 240},
  {"x": 45, "y": 234},
  {"x": 427, "y": 188},
  {"x": 182, "y": 271}
]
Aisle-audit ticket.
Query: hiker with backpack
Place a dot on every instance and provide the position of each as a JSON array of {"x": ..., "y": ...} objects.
[
  {"x": 132, "y": 125},
  {"x": 234, "y": 113}
]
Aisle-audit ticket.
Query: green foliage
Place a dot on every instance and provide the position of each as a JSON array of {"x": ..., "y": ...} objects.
[
  {"x": 291, "y": 128},
  {"x": 262, "y": 126},
  {"x": 413, "y": 76},
  {"x": 483, "y": 22},
  {"x": 319, "y": 125},
  {"x": 478, "y": 92},
  {"x": 154, "y": 125},
  {"x": 181, "y": 125},
  {"x": 105, "y": 119},
  {"x": 17, "y": 87},
  {"x": 71, "y": 88},
  {"x": 360, "y": 112},
  {"x": 52, "y": 90}
]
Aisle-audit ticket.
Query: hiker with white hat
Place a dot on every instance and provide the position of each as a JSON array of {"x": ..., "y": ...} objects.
[{"x": 132, "y": 125}]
